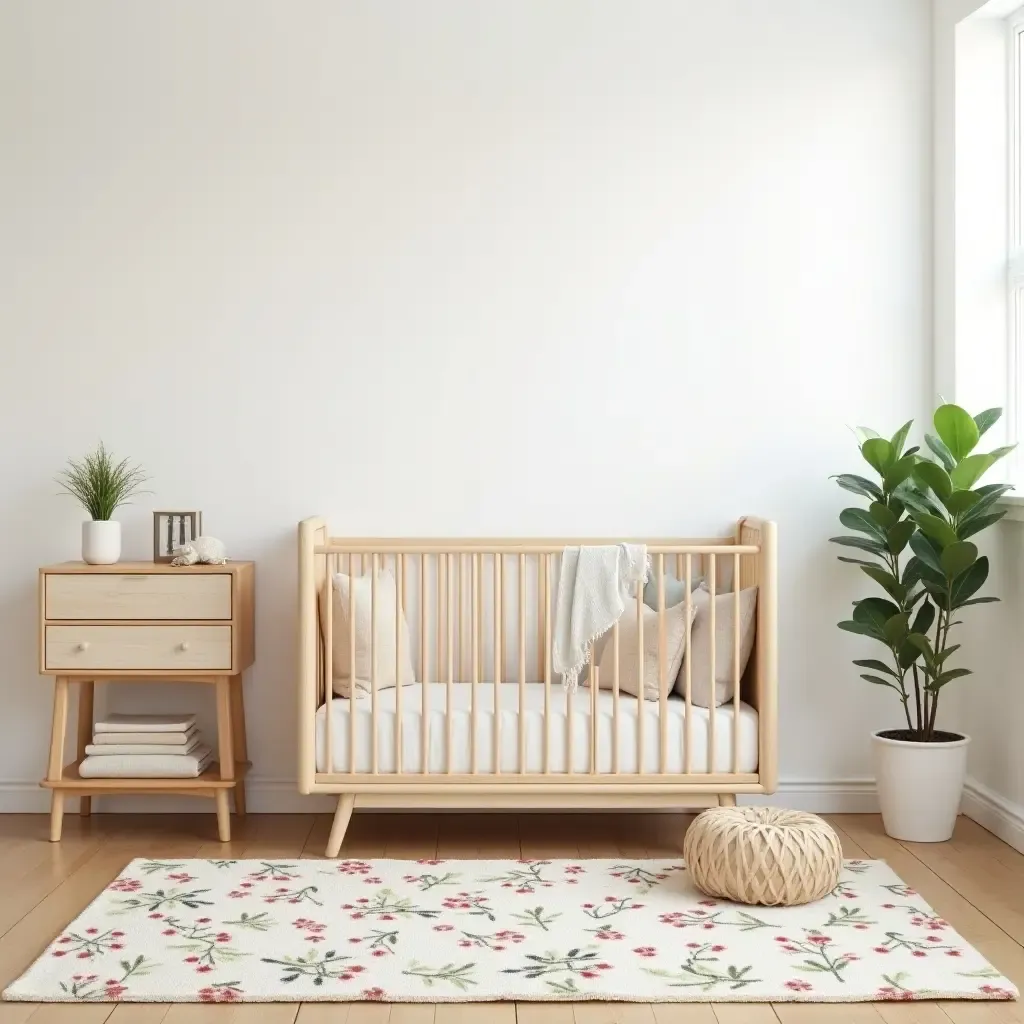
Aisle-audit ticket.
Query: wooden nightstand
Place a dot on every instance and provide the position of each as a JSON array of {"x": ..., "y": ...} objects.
[{"x": 147, "y": 621}]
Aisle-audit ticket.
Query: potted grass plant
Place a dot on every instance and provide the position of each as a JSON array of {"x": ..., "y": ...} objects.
[
  {"x": 101, "y": 485},
  {"x": 913, "y": 540}
]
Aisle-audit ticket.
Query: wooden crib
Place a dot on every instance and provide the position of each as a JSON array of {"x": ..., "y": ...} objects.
[{"x": 487, "y": 725}]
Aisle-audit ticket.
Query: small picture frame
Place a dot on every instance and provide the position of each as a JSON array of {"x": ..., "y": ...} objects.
[{"x": 172, "y": 528}]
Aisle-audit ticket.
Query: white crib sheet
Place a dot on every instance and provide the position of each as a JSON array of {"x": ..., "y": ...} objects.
[{"x": 534, "y": 719}]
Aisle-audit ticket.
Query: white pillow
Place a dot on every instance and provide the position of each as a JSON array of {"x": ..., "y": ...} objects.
[
  {"x": 699, "y": 654},
  {"x": 387, "y": 613},
  {"x": 675, "y": 642}
]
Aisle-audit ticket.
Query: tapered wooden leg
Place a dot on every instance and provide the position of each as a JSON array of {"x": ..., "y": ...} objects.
[
  {"x": 223, "y": 816},
  {"x": 55, "y": 766},
  {"x": 85, "y": 716},
  {"x": 726, "y": 799},
  {"x": 238, "y": 736},
  {"x": 342, "y": 816}
]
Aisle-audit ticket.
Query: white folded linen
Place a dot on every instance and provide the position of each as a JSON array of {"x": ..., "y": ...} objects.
[
  {"x": 160, "y": 738},
  {"x": 146, "y": 766},
  {"x": 148, "y": 749},
  {"x": 145, "y": 723}
]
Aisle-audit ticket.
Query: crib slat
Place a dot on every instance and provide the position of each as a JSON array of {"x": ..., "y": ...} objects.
[
  {"x": 424, "y": 664},
  {"x": 449, "y": 650},
  {"x": 640, "y": 688},
  {"x": 441, "y": 596},
  {"x": 478, "y": 632},
  {"x": 521, "y": 723},
  {"x": 399, "y": 619},
  {"x": 712, "y": 715},
  {"x": 546, "y": 569},
  {"x": 735, "y": 664},
  {"x": 352, "y": 663},
  {"x": 373, "y": 662},
  {"x": 541, "y": 599},
  {"x": 474, "y": 655},
  {"x": 594, "y": 684},
  {"x": 460, "y": 601},
  {"x": 499, "y": 647},
  {"x": 687, "y": 669},
  {"x": 615, "y": 698},
  {"x": 662, "y": 672},
  {"x": 331, "y": 561}
]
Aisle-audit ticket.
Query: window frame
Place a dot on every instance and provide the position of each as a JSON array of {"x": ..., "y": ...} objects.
[{"x": 1015, "y": 238}]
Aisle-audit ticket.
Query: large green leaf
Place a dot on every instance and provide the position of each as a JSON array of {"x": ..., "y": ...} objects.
[
  {"x": 876, "y": 666},
  {"x": 945, "y": 456},
  {"x": 927, "y": 554},
  {"x": 885, "y": 580},
  {"x": 900, "y": 534},
  {"x": 907, "y": 655},
  {"x": 922, "y": 643},
  {"x": 917, "y": 500},
  {"x": 924, "y": 618},
  {"x": 859, "y": 485},
  {"x": 912, "y": 573},
  {"x": 878, "y": 681},
  {"x": 978, "y": 600},
  {"x": 874, "y": 611},
  {"x": 878, "y": 453},
  {"x": 854, "y": 561},
  {"x": 899, "y": 439},
  {"x": 960, "y": 502},
  {"x": 936, "y": 528},
  {"x": 946, "y": 677},
  {"x": 864, "y": 628},
  {"x": 1001, "y": 453},
  {"x": 958, "y": 558},
  {"x": 956, "y": 428},
  {"x": 970, "y": 471},
  {"x": 864, "y": 543},
  {"x": 896, "y": 628},
  {"x": 931, "y": 474},
  {"x": 899, "y": 471},
  {"x": 985, "y": 419},
  {"x": 861, "y": 521},
  {"x": 973, "y": 526},
  {"x": 882, "y": 514},
  {"x": 968, "y": 583}
]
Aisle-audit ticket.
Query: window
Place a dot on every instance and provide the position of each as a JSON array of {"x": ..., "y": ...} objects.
[{"x": 1015, "y": 237}]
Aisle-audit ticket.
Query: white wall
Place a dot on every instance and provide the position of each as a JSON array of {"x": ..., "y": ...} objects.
[{"x": 461, "y": 268}]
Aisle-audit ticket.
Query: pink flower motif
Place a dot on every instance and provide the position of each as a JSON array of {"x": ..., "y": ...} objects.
[
  {"x": 156, "y": 917},
  {"x": 113, "y": 990},
  {"x": 168, "y": 931},
  {"x": 819, "y": 940},
  {"x": 60, "y": 952},
  {"x": 191, "y": 959},
  {"x": 380, "y": 952},
  {"x": 709, "y": 903},
  {"x": 589, "y": 974},
  {"x": 373, "y": 993},
  {"x": 953, "y": 952},
  {"x": 645, "y": 951},
  {"x": 781, "y": 938},
  {"x": 996, "y": 992},
  {"x": 890, "y": 992},
  {"x": 443, "y": 927},
  {"x": 91, "y": 931},
  {"x": 717, "y": 949},
  {"x": 117, "y": 945},
  {"x": 888, "y": 906},
  {"x": 432, "y": 863},
  {"x": 798, "y": 986},
  {"x": 205, "y": 969},
  {"x": 84, "y": 955},
  {"x": 880, "y": 949}
]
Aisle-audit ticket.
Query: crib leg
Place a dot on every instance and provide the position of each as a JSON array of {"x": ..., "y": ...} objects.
[
  {"x": 342, "y": 816},
  {"x": 726, "y": 799}
]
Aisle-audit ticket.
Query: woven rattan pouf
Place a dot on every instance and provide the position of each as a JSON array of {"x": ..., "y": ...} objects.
[{"x": 762, "y": 855}]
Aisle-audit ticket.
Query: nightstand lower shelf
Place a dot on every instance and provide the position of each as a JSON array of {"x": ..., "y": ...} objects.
[{"x": 201, "y": 785}]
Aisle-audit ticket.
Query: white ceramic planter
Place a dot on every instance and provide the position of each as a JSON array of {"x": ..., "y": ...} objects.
[
  {"x": 919, "y": 786},
  {"x": 101, "y": 541}
]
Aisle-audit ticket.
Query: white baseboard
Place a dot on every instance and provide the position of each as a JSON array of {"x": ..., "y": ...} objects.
[
  {"x": 279, "y": 796},
  {"x": 1000, "y": 816}
]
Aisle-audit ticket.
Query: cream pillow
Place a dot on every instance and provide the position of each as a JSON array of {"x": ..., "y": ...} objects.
[
  {"x": 699, "y": 654},
  {"x": 675, "y": 642},
  {"x": 388, "y": 612}
]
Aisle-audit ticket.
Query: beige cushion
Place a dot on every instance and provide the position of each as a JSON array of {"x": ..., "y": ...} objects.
[
  {"x": 387, "y": 614},
  {"x": 699, "y": 654},
  {"x": 675, "y": 642}
]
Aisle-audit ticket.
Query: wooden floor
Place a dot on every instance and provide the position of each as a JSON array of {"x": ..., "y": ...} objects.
[{"x": 975, "y": 881}]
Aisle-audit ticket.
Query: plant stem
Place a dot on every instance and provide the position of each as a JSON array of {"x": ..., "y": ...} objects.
[{"x": 917, "y": 701}]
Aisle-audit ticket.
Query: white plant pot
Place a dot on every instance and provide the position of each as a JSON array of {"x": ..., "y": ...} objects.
[
  {"x": 101, "y": 541},
  {"x": 919, "y": 786}
]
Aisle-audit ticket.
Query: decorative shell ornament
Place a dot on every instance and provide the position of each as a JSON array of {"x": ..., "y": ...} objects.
[{"x": 202, "y": 551}]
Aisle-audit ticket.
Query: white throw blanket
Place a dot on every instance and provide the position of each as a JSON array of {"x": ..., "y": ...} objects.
[{"x": 593, "y": 586}]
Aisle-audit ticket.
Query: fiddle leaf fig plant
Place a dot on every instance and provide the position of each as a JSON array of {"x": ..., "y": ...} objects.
[{"x": 921, "y": 509}]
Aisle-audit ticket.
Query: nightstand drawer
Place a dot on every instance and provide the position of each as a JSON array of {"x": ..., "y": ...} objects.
[
  {"x": 156, "y": 648},
  {"x": 137, "y": 596}
]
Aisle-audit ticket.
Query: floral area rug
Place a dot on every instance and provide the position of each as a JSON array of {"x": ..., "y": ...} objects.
[{"x": 460, "y": 930}]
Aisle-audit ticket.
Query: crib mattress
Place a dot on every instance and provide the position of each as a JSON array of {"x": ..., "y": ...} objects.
[{"x": 534, "y": 718}]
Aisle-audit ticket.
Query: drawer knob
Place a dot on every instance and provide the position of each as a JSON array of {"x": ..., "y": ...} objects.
[
  {"x": 82, "y": 645},
  {"x": 183, "y": 646}
]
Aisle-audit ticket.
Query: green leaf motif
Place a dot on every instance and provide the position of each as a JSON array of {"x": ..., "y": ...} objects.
[
  {"x": 944, "y": 455},
  {"x": 899, "y": 439},
  {"x": 957, "y": 429},
  {"x": 859, "y": 485},
  {"x": 864, "y": 543},
  {"x": 958, "y": 558},
  {"x": 896, "y": 628},
  {"x": 936, "y": 528},
  {"x": 986, "y": 419},
  {"x": 885, "y": 580},
  {"x": 859, "y": 520},
  {"x": 924, "y": 618},
  {"x": 970, "y": 471},
  {"x": 875, "y": 611},
  {"x": 926, "y": 553},
  {"x": 960, "y": 502},
  {"x": 882, "y": 515},
  {"x": 931, "y": 474},
  {"x": 899, "y": 471},
  {"x": 876, "y": 666},
  {"x": 863, "y": 628},
  {"x": 878, "y": 453},
  {"x": 900, "y": 534},
  {"x": 975, "y": 525},
  {"x": 968, "y": 583},
  {"x": 878, "y": 681}
]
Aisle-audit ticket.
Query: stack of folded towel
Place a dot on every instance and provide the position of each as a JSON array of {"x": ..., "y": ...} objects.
[{"x": 145, "y": 747}]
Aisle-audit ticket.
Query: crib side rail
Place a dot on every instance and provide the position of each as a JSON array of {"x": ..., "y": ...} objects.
[{"x": 480, "y": 611}]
